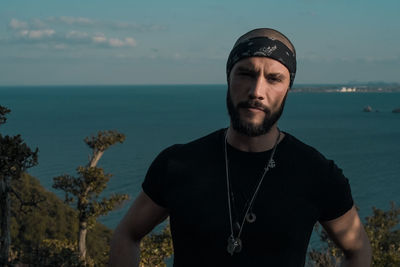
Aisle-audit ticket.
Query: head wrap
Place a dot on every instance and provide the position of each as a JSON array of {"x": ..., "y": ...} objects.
[{"x": 263, "y": 47}]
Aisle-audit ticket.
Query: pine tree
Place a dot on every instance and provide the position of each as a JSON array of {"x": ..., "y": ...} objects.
[
  {"x": 15, "y": 158},
  {"x": 87, "y": 186}
]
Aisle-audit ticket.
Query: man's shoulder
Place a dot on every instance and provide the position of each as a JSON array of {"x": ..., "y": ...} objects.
[
  {"x": 199, "y": 146},
  {"x": 211, "y": 138},
  {"x": 302, "y": 151},
  {"x": 298, "y": 145}
]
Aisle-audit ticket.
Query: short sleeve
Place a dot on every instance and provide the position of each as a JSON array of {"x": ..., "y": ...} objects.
[
  {"x": 154, "y": 184},
  {"x": 335, "y": 197}
]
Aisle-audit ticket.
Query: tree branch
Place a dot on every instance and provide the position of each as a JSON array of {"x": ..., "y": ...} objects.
[{"x": 32, "y": 203}]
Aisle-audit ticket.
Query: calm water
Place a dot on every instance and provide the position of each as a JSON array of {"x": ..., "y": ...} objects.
[{"x": 56, "y": 119}]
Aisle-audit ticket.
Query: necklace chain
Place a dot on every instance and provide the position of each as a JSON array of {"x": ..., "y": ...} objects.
[{"x": 269, "y": 165}]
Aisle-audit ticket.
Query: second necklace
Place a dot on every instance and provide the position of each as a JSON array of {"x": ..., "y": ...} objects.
[{"x": 235, "y": 243}]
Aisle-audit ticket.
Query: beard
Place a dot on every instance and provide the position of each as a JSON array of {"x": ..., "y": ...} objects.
[{"x": 248, "y": 128}]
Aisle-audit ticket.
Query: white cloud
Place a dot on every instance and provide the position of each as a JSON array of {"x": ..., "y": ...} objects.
[
  {"x": 99, "y": 38},
  {"x": 77, "y": 35},
  {"x": 35, "y": 34},
  {"x": 134, "y": 26},
  {"x": 23, "y": 33},
  {"x": 39, "y": 34},
  {"x": 130, "y": 41},
  {"x": 79, "y": 21},
  {"x": 17, "y": 24},
  {"x": 38, "y": 24},
  {"x": 114, "y": 42},
  {"x": 101, "y": 24},
  {"x": 50, "y": 22}
]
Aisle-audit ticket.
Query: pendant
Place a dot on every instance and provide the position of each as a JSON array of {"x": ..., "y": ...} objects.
[
  {"x": 271, "y": 164},
  {"x": 234, "y": 245},
  {"x": 251, "y": 217}
]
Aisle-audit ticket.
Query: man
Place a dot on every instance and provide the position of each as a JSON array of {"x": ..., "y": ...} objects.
[{"x": 248, "y": 195}]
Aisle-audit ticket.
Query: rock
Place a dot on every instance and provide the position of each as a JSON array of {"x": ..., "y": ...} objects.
[
  {"x": 396, "y": 110},
  {"x": 367, "y": 109}
]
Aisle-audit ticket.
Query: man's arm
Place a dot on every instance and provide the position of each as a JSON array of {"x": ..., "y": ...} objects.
[
  {"x": 141, "y": 218},
  {"x": 348, "y": 233}
]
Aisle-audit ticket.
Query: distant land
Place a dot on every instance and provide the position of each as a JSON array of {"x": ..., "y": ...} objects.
[{"x": 351, "y": 87}]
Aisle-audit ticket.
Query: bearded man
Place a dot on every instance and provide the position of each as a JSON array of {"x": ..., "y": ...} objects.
[{"x": 248, "y": 195}]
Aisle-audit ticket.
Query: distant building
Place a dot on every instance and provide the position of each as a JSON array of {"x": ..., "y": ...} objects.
[{"x": 346, "y": 90}]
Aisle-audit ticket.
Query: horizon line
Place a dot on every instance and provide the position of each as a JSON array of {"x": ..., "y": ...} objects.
[{"x": 194, "y": 84}]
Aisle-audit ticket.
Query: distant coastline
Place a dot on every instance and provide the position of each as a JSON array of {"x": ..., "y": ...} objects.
[
  {"x": 351, "y": 87},
  {"x": 373, "y": 87}
]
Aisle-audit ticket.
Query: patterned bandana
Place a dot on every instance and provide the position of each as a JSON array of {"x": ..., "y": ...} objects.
[{"x": 263, "y": 47}]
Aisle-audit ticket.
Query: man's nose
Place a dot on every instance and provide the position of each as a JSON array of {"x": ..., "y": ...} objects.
[{"x": 257, "y": 89}]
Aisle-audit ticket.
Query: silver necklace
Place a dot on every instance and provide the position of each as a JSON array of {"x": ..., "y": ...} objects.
[{"x": 235, "y": 243}]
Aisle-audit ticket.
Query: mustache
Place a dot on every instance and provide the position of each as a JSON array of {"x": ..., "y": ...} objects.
[{"x": 253, "y": 104}]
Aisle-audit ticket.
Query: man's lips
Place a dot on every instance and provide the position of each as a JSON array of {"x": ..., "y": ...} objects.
[
  {"x": 257, "y": 108},
  {"x": 252, "y": 108}
]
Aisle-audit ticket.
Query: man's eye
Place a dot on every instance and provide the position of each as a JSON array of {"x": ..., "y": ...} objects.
[
  {"x": 274, "y": 79},
  {"x": 246, "y": 74},
  {"x": 243, "y": 73}
]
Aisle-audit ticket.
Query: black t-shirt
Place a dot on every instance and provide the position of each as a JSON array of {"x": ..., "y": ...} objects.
[{"x": 190, "y": 181}]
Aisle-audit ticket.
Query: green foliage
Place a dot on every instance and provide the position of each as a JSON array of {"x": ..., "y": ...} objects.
[
  {"x": 104, "y": 140},
  {"x": 91, "y": 181},
  {"x": 54, "y": 252},
  {"x": 15, "y": 156},
  {"x": 107, "y": 204},
  {"x": 382, "y": 228},
  {"x": 328, "y": 256},
  {"x": 3, "y": 112},
  {"x": 98, "y": 241},
  {"x": 156, "y": 248},
  {"x": 43, "y": 229},
  {"x": 322, "y": 259},
  {"x": 86, "y": 188},
  {"x": 51, "y": 219},
  {"x": 384, "y": 237},
  {"x": 54, "y": 221}
]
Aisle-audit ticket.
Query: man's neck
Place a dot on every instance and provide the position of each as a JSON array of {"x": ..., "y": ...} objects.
[{"x": 253, "y": 144}]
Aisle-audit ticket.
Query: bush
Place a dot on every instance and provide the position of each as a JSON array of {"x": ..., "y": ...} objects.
[
  {"x": 382, "y": 228},
  {"x": 50, "y": 226},
  {"x": 156, "y": 248}
]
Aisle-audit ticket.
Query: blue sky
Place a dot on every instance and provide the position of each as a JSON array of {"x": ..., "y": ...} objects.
[{"x": 55, "y": 42}]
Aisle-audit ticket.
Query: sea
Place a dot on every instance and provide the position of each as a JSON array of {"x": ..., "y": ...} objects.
[{"x": 56, "y": 119}]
